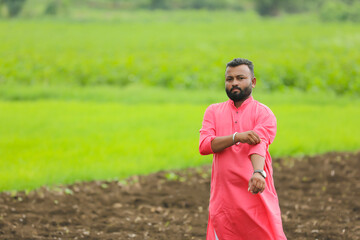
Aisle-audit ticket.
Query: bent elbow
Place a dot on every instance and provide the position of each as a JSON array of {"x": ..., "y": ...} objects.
[
  {"x": 205, "y": 146},
  {"x": 205, "y": 150}
]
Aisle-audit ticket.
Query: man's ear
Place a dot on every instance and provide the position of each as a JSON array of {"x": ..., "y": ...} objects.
[{"x": 253, "y": 82}]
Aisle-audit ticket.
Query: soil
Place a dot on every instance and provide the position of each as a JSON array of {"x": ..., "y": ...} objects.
[{"x": 319, "y": 199}]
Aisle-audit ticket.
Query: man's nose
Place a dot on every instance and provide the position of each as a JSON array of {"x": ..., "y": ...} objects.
[{"x": 235, "y": 82}]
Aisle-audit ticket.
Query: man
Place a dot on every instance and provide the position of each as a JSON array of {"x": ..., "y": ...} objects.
[{"x": 243, "y": 201}]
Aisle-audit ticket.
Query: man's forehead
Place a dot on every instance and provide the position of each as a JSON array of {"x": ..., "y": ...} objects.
[{"x": 238, "y": 70}]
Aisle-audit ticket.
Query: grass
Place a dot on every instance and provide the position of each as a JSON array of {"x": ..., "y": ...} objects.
[
  {"x": 138, "y": 93},
  {"x": 179, "y": 49},
  {"x": 115, "y": 133},
  {"x": 48, "y": 142},
  {"x": 83, "y": 97}
]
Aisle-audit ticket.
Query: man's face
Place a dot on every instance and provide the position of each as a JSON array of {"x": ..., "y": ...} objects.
[{"x": 239, "y": 82}]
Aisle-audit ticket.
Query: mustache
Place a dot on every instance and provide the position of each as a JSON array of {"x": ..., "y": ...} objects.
[{"x": 236, "y": 87}]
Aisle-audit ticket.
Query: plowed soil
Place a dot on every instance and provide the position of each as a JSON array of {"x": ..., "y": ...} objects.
[{"x": 319, "y": 199}]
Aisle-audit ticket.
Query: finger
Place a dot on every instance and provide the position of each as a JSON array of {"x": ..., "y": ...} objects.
[
  {"x": 249, "y": 141},
  {"x": 260, "y": 188},
  {"x": 252, "y": 188},
  {"x": 256, "y": 187},
  {"x": 252, "y": 139},
  {"x": 256, "y": 135},
  {"x": 258, "y": 184},
  {"x": 257, "y": 138}
]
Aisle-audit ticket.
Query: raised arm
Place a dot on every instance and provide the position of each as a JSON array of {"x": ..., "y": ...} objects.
[
  {"x": 210, "y": 143},
  {"x": 220, "y": 143}
]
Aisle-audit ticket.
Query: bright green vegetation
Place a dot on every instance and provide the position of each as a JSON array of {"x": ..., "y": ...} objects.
[
  {"x": 108, "y": 133},
  {"x": 328, "y": 10},
  {"x": 84, "y": 97},
  {"x": 180, "y": 49},
  {"x": 137, "y": 93}
]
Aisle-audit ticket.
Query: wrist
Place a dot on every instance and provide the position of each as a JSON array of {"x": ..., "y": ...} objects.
[
  {"x": 257, "y": 174},
  {"x": 235, "y": 138},
  {"x": 262, "y": 173}
]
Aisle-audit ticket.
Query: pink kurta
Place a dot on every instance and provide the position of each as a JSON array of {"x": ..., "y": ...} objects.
[{"x": 235, "y": 213}]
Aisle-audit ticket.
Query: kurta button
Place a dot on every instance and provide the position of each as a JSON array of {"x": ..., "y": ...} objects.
[
  {"x": 237, "y": 112},
  {"x": 235, "y": 121}
]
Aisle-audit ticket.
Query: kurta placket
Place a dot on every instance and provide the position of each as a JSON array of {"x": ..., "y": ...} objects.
[{"x": 234, "y": 213}]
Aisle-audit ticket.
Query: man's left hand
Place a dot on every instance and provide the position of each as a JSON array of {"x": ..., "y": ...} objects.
[{"x": 256, "y": 183}]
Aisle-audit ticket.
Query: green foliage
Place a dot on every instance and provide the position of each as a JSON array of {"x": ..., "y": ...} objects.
[
  {"x": 55, "y": 7},
  {"x": 326, "y": 9},
  {"x": 275, "y": 7},
  {"x": 161, "y": 4},
  {"x": 340, "y": 11},
  {"x": 14, "y": 7},
  {"x": 354, "y": 12},
  {"x": 68, "y": 140},
  {"x": 180, "y": 50},
  {"x": 158, "y": 4},
  {"x": 295, "y": 6},
  {"x": 268, "y": 7},
  {"x": 334, "y": 10}
]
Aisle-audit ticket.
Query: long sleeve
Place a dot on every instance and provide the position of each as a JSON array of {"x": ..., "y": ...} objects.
[
  {"x": 207, "y": 132},
  {"x": 266, "y": 129}
]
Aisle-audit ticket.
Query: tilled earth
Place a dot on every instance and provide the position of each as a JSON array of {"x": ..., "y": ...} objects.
[{"x": 319, "y": 199}]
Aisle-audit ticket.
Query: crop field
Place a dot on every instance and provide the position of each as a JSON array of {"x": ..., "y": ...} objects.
[
  {"x": 113, "y": 134},
  {"x": 179, "y": 49},
  {"x": 109, "y": 98}
]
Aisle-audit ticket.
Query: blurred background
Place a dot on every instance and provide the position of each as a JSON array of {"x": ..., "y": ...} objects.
[{"x": 105, "y": 89}]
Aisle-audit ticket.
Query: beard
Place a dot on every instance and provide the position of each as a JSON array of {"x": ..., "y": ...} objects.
[{"x": 239, "y": 96}]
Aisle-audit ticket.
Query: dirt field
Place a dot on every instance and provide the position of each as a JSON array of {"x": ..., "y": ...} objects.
[{"x": 319, "y": 199}]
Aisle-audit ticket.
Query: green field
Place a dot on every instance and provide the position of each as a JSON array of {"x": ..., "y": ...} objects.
[
  {"x": 112, "y": 134},
  {"x": 108, "y": 95},
  {"x": 179, "y": 49}
]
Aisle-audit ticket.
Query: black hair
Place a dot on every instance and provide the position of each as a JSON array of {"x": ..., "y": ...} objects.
[{"x": 241, "y": 61}]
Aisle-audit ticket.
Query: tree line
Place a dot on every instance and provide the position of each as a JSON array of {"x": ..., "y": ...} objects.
[{"x": 329, "y": 10}]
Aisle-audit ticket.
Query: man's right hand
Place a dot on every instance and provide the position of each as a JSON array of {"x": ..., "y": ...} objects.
[
  {"x": 249, "y": 137},
  {"x": 220, "y": 143}
]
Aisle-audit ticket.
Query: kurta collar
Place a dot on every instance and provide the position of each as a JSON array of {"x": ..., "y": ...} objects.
[{"x": 243, "y": 105}]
